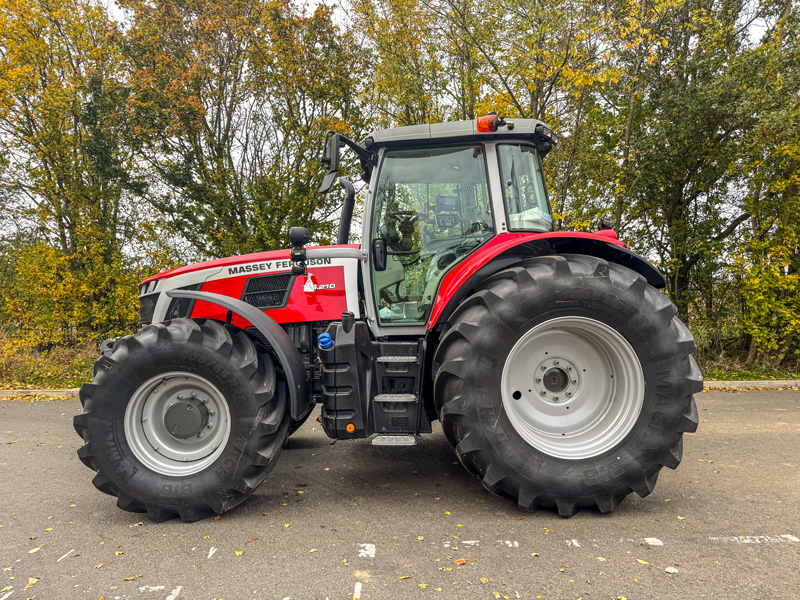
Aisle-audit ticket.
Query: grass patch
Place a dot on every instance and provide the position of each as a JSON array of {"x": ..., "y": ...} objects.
[
  {"x": 734, "y": 367},
  {"x": 56, "y": 368}
]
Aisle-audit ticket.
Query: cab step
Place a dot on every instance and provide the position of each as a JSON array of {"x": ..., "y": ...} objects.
[
  {"x": 395, "y": 398},
  {"x": 398, "y": 359},
  {"x": 394, "y": 440}
]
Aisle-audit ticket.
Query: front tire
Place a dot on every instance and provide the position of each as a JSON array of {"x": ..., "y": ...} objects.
[
  {"x": 578, "y": 437},
  {"x": 184, "y": 419}
]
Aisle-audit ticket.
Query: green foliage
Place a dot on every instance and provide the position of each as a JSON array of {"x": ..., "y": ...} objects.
[{"x": 193, "y": 128}]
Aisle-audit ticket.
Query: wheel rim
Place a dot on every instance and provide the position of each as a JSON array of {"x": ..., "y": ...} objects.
[
  {"x": 572, "y": 387},
  {"x": 177, "y": 423}
]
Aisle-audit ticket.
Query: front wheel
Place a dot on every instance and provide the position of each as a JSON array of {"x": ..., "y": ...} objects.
[
  {"x": 182, "y": 419},
  {"x": 567, "y": 382}
]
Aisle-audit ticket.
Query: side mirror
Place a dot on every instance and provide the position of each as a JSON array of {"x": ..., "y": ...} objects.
[
  {"x": 379, "y": 254},
  {"x": 330, "y": 158},
  {"x": 299, "y": 236}
]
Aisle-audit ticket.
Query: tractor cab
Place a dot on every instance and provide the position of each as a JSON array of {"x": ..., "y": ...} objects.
[{"x": 436, "y": 193}]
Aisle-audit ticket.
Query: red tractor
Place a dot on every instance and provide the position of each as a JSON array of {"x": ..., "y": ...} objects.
[{"x": 559, "y": 373}]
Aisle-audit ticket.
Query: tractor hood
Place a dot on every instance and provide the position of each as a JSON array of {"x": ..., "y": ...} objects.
[{"x": 263, "y": 280}]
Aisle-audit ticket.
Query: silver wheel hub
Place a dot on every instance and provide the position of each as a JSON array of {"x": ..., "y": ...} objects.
[
  {"x": 572, "y": 387},
  {"x": 177, "y": 423}
]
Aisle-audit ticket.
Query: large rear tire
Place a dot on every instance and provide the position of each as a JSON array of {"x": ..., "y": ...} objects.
[
  {"x": 184, "y": 419},
  {"x": 526, "y": 392}
]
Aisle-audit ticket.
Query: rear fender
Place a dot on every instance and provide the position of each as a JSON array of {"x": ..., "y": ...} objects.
[
  {"x": 289, "y": 357},
  {"x": 510, "y": 248}
]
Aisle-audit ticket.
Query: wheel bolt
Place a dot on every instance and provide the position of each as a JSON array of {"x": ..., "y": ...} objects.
[
  {"x": 212, "y": 412},
  {"x": 200, "y": 434},
  {"x": 169, "y": 405},
  {"x": 180, "y": 396},
  {"x": 569, "y": 393},
  {"x": 556, "y": 363},
  {"x": 210, "y": 425},
  {"x": 544, "y": 393},
  {"x": 205, "y": 400},
  {"x": 555, "y": 397},
  {"x": 574, "y": 381},
  {"x": 544, "y": 367},
  {"x": 538, "y": 379},
  {"x": 194, "y": 394},
  {"x": 569, "y": 368}
]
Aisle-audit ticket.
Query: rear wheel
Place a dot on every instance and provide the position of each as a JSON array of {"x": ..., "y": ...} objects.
[
  {"x": 567, "y": 382},
  {"x": 183, "y": 419}
]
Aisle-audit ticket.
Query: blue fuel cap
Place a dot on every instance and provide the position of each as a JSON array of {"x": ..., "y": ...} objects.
[{"x": 325, "y": 341}]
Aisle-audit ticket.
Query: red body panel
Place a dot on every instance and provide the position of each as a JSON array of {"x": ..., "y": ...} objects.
[
  {"x": 230, "y": 261},
  {"x": 322, "y": 305},
  {"x": 455, "y": 278}
]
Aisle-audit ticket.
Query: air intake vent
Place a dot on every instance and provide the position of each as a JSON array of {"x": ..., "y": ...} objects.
[{"x": 268, "y": 291}]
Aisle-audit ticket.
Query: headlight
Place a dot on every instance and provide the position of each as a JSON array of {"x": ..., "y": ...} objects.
[{"x": 147, "y": 306}]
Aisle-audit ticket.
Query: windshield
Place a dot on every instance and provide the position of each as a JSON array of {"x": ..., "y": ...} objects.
[
  {"x": 524, "y": 189},
  {"x": 431, "y": 207}
]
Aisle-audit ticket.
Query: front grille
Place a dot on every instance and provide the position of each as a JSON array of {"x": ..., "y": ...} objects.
[{"x": 268, "y": 291}]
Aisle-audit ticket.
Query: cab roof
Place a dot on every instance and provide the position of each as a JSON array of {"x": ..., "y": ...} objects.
[{"x": 462, "y": 130}]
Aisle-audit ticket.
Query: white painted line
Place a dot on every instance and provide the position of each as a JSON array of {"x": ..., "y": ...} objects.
[
  {"x": 471, "y": 542},
  {"x": 151, "y": 588},
  {"x": 509, "y": 543},
  {"x": 367, "y": 551},
  {"x": 211, "y": 552},
  {"x": 7, "y": 595},
  {"x": 576, "y": 544},
  {"x": 653, "y": 541},
  {"x": 59, "y": 560},
  {"x": 357, "y": 591},
  {"x": 175, "y": 593},
  {"x": 756, "y": 539}
]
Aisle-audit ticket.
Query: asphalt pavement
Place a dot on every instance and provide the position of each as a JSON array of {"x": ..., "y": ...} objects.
[{"x": 352, "y": 520}]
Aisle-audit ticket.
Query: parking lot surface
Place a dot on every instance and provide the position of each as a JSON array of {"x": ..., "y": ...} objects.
[{"x": 355, "y": 520}]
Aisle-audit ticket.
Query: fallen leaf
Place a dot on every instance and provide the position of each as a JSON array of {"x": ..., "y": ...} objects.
[
  {"x": 49, "y": 529},
  {"x": 455, "y": 537},
  {"x": 438, "y": 589},
  {"x": 5, "y": 589},
  {"x": 420, "y": 538},
  {"x": 666, "y": 500},
  {"x": 313, "y": 550},
  {"x": 251, "y": 540},
  {"x": 12, "y": 442},
  {"x": 447, "y": 512},
  {"x": 681, "y": 518},
  {"x": 31, "y": 582},
  {"x": 601, "y": 559},
  {"x": 98, "y": 566},
  {"x": 671, "y": 570},
  {"x": 459, "y": 525},
  {"x": 327, "y": 469},
  {"x": 534, "y": 554},
  {"x": 546, "y": 530},
  {"x": 238, "y": 552},
  {"x": 132, "y": 578},
  {"x": 217, "y": 518},
  {"x": 642, "y": 562},
  {"x": 118, "y": 553},
  {"x": 404, "y": 577},
  {"x": 423, "y": 585},
  {"x": 34, "y": 550},
  {"x": 287, "y": 525},
  {"x": 484, "y": 580},
  {"x": 460, "y": 561},
  {"x": 519, "y": 518}
]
